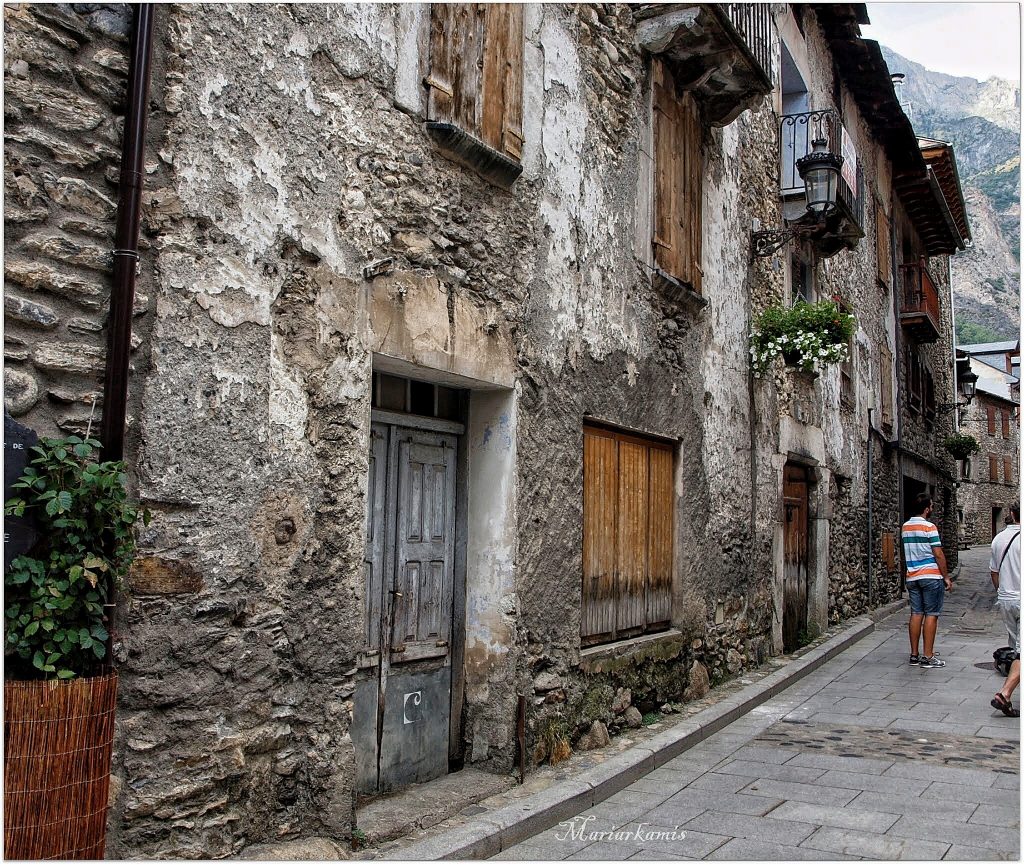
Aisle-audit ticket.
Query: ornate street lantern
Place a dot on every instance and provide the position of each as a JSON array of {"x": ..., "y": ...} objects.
[{"x": 819, "y": 171}]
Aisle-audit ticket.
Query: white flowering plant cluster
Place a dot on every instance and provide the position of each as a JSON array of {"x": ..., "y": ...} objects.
[{"x": 807, "y": 335}]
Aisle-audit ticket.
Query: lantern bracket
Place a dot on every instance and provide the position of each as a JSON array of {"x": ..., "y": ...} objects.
[{"x": 770, "y": 241}]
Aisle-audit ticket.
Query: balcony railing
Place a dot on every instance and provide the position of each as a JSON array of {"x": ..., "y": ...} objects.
[
  {"x": 920, "y": 314},
  {"x": 798, "y": 132},
  {"x": 753, "y": 21}
]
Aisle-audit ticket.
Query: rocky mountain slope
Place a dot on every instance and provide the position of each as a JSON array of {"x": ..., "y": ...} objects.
[{"x": 982, "y": 120}]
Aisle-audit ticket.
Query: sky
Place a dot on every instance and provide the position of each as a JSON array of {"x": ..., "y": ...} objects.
[{"x": 977, "y": 40}]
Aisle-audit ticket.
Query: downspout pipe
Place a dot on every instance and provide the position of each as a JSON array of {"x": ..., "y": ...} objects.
[
  {"x": 871, "y": 511},
  {"x": 126, "y": 242}
]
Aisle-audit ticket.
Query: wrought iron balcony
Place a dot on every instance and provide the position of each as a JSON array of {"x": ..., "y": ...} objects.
[
  {"x": 720, "y": 51},
  {"x": 920, "y": 314},
  {"x": 797, "y": 135}
]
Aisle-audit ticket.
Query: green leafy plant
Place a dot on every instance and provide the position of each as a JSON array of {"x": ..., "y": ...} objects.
[
  {"x": 961, "y": 445},
  {"x": 807, "y": 335},
  {"x": 54, "y": 622}
]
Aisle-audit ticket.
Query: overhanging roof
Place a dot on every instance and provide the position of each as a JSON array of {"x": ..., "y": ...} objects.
[{"x": 864, "y": 72}]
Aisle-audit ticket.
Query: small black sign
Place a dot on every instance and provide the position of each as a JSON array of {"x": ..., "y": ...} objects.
[{"x": 19, "y": 532}]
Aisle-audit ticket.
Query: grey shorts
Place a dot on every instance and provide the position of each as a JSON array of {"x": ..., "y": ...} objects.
[{"x": 1011, "y": 618}]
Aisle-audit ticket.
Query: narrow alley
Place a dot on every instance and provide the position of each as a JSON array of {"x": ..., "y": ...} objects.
[{"x": 867, "y": 757}]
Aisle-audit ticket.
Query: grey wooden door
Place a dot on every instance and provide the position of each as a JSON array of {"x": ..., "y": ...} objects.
[{"x": 403, "y": 696}]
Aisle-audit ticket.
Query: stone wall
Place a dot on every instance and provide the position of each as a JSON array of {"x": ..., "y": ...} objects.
[
  {"x": 979, "y": 494},
  {"x": 65, "y": 71},
  {"x": 288, "y": 153}
]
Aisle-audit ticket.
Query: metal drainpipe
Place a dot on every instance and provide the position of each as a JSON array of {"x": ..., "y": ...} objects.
[
  {"x": 126, "y": 258},
  {"x": 126, "y": 251},
  {"x": 871, "y": 535}
]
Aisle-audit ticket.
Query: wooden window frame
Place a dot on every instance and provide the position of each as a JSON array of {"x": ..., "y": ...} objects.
[
  {"x": 993, "y": 469},
  {"x": 678, "y": 184},
  {"x": 1007, "y": 470},
  {"x": 626, "y": 593},
  {"x": 1006, "y": 423}
]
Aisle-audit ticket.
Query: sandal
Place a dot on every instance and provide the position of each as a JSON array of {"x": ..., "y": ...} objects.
[{"x": 1005, "y": 706}]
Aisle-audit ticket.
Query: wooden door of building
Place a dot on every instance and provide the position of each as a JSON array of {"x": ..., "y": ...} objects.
[
  {"x": 795, "y": 556},
  {"x": 402, "y": 706}
]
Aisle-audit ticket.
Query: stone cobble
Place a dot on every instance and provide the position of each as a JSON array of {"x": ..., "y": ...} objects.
[{"x": 867, "y": 757}]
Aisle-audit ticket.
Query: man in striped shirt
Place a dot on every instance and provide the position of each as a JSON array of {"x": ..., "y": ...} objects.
[{"x": 927, "y": 581}]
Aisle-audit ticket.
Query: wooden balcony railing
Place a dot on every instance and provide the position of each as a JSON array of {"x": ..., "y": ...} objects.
[
  {"x": 798, "y": 133},
  {"x": 921, "y": 313},
  {"x": 753, "y": 21}
]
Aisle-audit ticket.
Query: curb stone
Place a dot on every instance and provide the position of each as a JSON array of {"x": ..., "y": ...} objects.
[{"x": 491, "y": 833}]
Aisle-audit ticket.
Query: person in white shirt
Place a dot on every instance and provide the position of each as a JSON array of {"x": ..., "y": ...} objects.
[{"x": 1004, "y": 566}]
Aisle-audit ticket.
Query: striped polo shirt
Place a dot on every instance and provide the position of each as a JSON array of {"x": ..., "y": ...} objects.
[{"x": 919, "y": 536}]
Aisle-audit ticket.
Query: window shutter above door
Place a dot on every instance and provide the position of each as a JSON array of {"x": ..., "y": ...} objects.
[
  {"x": 502, "y": 86},
  {"x": 679, "y": 171},
  {"x": 456, "y": 45}
]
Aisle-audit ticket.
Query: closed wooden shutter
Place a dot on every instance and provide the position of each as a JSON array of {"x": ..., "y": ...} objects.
[
  {"x": 628, "y": 504},
  {"x": 678, "y": 183},
  {"x": 991, "y": 421},
  {"x": 883, "y": 249},
  {"x": 889, "y": 551},
  {"x": 885, "y": 374},
  {"x": 659, "y": 584},
  {"x": 1007, "y": 470},
  {"x": 476, "y": 71},
  {"x": 502, "y": 122},
  {"x": 1006, "y": 424},
  {"x": 993, "y": 469},
  {"x": 600, "y": 510}
]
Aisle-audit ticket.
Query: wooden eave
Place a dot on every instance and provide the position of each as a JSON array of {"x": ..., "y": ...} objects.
[
  {"x": 863, "y": 71},
  {"x": 939, "y": 156}
]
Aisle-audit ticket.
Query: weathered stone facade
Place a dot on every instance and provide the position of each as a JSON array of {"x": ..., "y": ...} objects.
[
  {"x": 287, "y": 154},
  {"x": 984, "y": 498},
  {"x": 64, "y": 90}
]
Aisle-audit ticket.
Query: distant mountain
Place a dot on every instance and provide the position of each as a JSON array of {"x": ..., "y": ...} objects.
[{"x": 982, "y": 121}]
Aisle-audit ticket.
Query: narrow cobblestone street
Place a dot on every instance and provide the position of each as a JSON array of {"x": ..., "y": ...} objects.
[{"x": 867, "y": 758}]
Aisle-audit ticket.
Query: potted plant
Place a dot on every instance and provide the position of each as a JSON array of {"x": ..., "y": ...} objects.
[
  {"x": 59, "y": 690},
  {"x": 807, "y": 335},
  {"x": 961, "y": 445}
]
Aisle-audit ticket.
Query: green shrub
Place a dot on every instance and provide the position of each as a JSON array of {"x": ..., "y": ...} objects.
[
  {"x": 807, "y": 335},
  {"x": 54, "y": 619},
  {"x": 961, "y": 445}
]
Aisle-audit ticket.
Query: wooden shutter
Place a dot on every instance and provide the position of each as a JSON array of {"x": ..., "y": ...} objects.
[
  {"x": 678, "y": 183},
  {"x": 993, "y": 469},
  {"x": 476, "y": 71},
  {"x": 662, "y": 499},
  {"x": 456, "y": 44},
  {"x": 883, "y": 249},
  {"x": 628, "y": 504},
  {"x": 991, "y": 421},
  {"x": 1006, "y": 424},
  {"x": 889, "y": 551},
  {"x": 885, "y": 372},
  {"x": 1007, "y": 470},
  {"x": 632, "y": 538},
  {"x": 502, "y": 119},
  {"x": 600, "y": 508}
]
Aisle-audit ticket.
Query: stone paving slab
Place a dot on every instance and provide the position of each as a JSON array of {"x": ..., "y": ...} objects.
[
  {"x": 899, "y": 805},
  {"x": 873, "y": 846},
  {"x": 771, "y": 829},
  {"x": 968, "y": 793},
  {"x": 996, "y": 815},
  {"x": 800, "y": 792},
  {"x": 847, "y": 817},
  {"x": 748, "y": 849},
  {"x": 963, "y": 853},
  {"x": 928, "y": 828}
]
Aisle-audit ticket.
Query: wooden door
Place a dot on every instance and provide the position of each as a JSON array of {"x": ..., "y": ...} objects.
[
  {"x": 403, "y": 696},
  {"x": 795, "y": 556}
]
